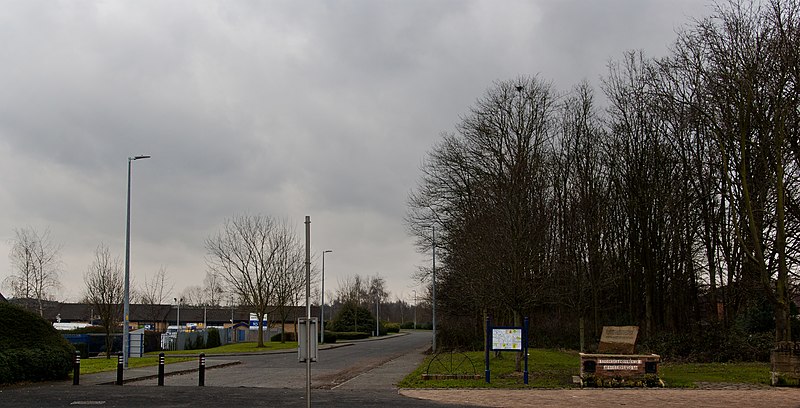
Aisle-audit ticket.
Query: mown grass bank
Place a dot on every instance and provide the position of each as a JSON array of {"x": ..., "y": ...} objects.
[
  {"x": 231, "y": 348},
  {"x": 97, "y": 365},
  {"x": 555, "y": 369}
]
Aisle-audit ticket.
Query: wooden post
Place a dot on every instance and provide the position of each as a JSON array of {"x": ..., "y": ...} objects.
[
  {"x": 582, "y": 324},
  {"x": 488, "y": 346}
]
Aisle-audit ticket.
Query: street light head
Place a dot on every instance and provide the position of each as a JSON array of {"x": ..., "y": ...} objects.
[
  {"x": 326, "y": 251},
  {"x": 139, "y": 157}
]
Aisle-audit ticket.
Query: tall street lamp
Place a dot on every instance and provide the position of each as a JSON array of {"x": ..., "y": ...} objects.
[
  {"x": 415, "y": 309},
  {"x": 126, "y": 294},
  {"x": 178, "y": 318},
  {"x": 433, "y": 240},
  {"x": 322, "y": 306}
]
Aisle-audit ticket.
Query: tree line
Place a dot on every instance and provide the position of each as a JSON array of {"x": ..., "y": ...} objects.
[
  {"x": 255, "y": 261},
  {"x": 669, "y": 202}
]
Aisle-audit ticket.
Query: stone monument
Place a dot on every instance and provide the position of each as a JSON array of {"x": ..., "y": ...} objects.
[{"x": 616, "y": 365}]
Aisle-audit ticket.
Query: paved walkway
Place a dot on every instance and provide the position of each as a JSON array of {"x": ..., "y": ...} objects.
[{"x": 765, "y": 398}]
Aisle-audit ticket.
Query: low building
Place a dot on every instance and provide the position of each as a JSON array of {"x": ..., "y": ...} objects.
[{"x": 160, "y": 317}]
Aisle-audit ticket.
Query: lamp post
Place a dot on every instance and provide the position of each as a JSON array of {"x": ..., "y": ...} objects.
[
  {"x": 415, "y": 309},
  {"x": 322, "y": 305},
  {"x": 433, "y": 229},
  {"x": 178, "y": 318},
  {"x": 126, "y": 294},
  {"x": 377, "y": 316}
]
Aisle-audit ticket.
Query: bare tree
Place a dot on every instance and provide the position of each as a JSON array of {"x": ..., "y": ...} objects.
[
  {"x": 157, "y": 288},
  {"x": 352, "y": 290},
  {"x": 291, "y": 278},
  {"x": 377, "y": 293},
  {"x": 104, "y": 290},
  {"x": 353, "y": 294},
  {"x": 487, "y": 193},
  {"x": 36, "y": 266},
  {"x": 745, "y": 57},
  {"x": 244, "y": 253},
  {"x": 377, "y": 289},
  {"x": 194, "y": 295},
  {"x": 214, "y": 288}
]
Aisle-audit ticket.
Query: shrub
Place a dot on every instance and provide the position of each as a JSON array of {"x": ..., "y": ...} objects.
[
  {"x": 407, "y": 326},
  {"x": 213, "y": 338},
  {"x": 30, "y": 348},
  {"x": 152, "y": 341},
  {"x": 348, "y": 335},
  {"x": 331, "y": 337},
  {"x": 391, "y": 327},
  {"x": 353, "y": 318},
  {"x": 199, "y": 342},
  {"x": 289, "y": 337},
  {"x": 711, "y": 343}
]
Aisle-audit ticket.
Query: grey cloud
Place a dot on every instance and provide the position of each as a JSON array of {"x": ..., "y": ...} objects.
[{"x": 281, "y": 107}]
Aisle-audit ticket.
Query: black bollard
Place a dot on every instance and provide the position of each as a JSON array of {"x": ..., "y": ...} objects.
[
  {"x": 202, "y": 379},
  {"x": 161, "y": 369},
  {"x": 76, "y": 368},
  {"x": 119, "y": 369}
]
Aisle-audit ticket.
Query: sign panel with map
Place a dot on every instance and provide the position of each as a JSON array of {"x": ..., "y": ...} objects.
[
  {"x": 508, "y": 338},
  {"x": 511, "y": 338}
]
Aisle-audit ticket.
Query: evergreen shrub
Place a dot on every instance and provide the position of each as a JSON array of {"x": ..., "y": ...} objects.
[{"x": 30, "y": 348}]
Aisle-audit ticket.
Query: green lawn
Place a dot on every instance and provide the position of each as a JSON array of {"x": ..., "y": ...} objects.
[
  {"x": 685, "y": 375},
  {"x": 96, "y": 365},
  {"x": 555, "y": 368},
  {"x": 546, "y": 369},
  {"x": 249, "y": 347}
]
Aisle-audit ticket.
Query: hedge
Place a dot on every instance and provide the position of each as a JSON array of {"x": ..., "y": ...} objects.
[
  {"x": 290, "y": 336},
  {"x": 30, "y": 348},
  {"x": 348, "y": 335},
  {"x": 331, "y": 337}
]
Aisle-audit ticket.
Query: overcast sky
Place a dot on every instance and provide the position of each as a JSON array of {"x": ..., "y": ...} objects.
[{"x": 282, "y": 108}]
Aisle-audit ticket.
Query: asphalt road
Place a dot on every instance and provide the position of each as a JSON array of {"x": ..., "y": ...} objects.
[
  {"x": 334, "y": 368},
  {"x": 364, "y": 375}
]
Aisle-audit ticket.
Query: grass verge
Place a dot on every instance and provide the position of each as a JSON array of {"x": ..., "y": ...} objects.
[
  {"x": 546, "y": 368},
  {"x": 686, "y": 375},
  {"x": 97, "y": 365},
  {"x": 249, "y": 347},
  {"x": 555, "y": 368}
]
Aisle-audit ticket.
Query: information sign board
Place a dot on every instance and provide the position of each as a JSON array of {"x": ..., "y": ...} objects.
[
  {"x": 507, "y": 339},
  {"x": 254, "y": 322}
]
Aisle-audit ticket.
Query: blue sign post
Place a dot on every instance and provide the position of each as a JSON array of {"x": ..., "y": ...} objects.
[{"x": 509, "y": 338}]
